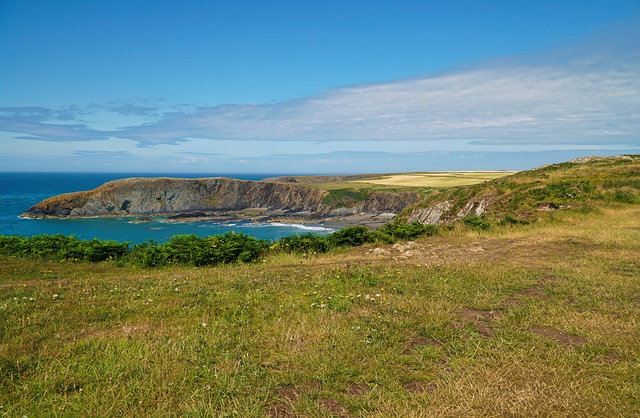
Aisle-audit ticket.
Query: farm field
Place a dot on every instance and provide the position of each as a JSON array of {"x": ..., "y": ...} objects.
[{"x": 437, "y": 179}]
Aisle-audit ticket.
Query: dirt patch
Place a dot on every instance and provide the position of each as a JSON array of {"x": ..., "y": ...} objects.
[
  {"x": 483, "y": 320},
  {"x": 334, "y": 407},
  {"x": 609, "y": 358},
  {"x": 280, "y": 411},
  {"x": 288, "y": 395},
  {"x": 563, "y": 338},
  {"x": 534, "y": 292},
  {"x": 419, "y": 387},
  {"x": 420, "y": 341},
  {"x": 355, "y": 389}
]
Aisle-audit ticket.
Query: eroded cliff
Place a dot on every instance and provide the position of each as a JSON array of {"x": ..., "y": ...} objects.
[
  {"x": 143, "y": 196},
  {"x": 171, "y": 196}
]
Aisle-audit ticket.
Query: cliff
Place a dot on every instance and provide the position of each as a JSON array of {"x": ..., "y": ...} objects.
[{"x": 174, "y": 196}]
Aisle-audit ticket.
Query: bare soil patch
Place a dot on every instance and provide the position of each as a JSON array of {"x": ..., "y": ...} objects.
[
  {"x": 563, "y": 338},
  {"x": 609, "y": 358},
  {"x": 483, "y": 320},
  {"x": 419, "y": 387},
  {"x": 355, "y": 389},
  {"x": 421, "y": 341},
  {"x": 334, "y": 407},
  {"x": 289, "y": 394},
  {"x": 280, "y": 411}
]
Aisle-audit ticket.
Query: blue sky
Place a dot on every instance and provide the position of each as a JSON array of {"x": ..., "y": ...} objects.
[{"x": 305, "y": 86}]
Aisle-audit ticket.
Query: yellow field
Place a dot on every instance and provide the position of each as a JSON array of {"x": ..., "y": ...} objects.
[{"x": 439, "y": 179}]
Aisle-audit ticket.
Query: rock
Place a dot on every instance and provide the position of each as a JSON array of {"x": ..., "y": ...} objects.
[
  {"x": 430, "y": 215},
  {"x": 473, "y": 208},
  {"x": 379, "y": 252}
]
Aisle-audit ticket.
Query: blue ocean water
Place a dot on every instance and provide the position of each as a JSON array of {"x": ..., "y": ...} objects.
[{"x": 20, "y": 191}]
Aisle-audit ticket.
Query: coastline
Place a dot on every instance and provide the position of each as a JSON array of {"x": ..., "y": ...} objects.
[{"x": 372, "y": 221}]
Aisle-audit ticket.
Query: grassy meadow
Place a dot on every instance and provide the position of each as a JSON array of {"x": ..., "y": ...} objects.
[{"x": 523, "y": 320}]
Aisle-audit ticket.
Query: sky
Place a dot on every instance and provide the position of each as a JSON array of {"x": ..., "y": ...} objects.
[{"x": 315, "y": 87}]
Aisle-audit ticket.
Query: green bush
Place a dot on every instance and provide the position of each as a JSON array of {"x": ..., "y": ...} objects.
[
  {"x": 148, "y": 254},
  {"x": 101, "y": 250},
  {"x": 304, "y": 243},
  {"x": 476, "y": 222},
  {"x": 351, "y": 236},
  {"x": 397, "y": 231},
  {"x": 63, "y": 247},
  {"x": 199, "y": 251}
]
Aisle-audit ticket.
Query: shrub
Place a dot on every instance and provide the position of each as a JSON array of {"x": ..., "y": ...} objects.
[
  {"x": 304, "y": 243},
  {"x": 148, "y": 254},
  {"x": 101, "y": 250},
  {"x": 396, "y": 231},
  {"x": 63, "y": 247},
  {"x": 476, "y": 222},
  {"x": 351, "y": 236}
]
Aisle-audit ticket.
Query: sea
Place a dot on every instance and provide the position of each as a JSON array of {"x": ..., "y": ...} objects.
[{"x": 20, "y": 191}]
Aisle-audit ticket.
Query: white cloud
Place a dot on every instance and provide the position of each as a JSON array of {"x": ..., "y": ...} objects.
[
  {"x": 584, "y": 99},
  {"x": 539, "y": 104}
]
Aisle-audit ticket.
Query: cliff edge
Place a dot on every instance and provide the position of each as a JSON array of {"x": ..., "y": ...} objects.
[{"x": 177, "y": 196}]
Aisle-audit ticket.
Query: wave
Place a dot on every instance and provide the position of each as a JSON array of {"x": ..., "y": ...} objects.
[
  {"x": 305, "y": 227},
  {"x": 257, "y": 225}
]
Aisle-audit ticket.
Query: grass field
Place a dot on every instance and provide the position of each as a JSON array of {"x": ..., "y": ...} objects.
[
  {"x": 443, "y": 179},
  {"x": 534, "y": 320}
]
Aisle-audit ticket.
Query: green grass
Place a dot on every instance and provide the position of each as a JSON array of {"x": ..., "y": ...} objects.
[
  {"x": 567, "y": 185},
  {"x": 524, "y": 320},
  {"x": 528, "y": 316}
]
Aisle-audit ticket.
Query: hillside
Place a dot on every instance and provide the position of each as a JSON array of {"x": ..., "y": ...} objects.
[
  {"x": 526, "y": 195},
  {"x": 533, "y": 320},
  {"x": 515, "y": 319}
]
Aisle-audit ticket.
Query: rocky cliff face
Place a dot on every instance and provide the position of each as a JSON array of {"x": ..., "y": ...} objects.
[
  {"x": 138, "y": 196},
  {"x": 170, "y": 196},
  {"x": 441, "y": 212}
]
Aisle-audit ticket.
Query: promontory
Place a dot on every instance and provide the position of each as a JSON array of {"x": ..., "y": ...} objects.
[{"x": 206, "y": 197}]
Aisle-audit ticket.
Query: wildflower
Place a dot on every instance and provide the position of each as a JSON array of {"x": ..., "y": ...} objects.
[
  {"x": 56, "y": 296},
  {"x": 204, "y": 324}
]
